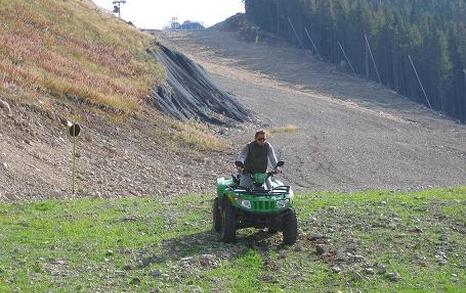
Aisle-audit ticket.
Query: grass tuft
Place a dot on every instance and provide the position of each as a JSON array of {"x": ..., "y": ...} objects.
[
  {"x": 285, "y": 129},
  {"x": 198, "y": 136},
  {"x": 189, "y": 135}
]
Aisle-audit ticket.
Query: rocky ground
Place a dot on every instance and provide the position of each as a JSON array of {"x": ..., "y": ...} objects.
[
  {"x": 114, "y": 158},
  {"x": 349, "y": 134}
]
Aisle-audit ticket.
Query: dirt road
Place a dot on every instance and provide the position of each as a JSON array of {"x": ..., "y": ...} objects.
[{"x": 351, "y": 134}]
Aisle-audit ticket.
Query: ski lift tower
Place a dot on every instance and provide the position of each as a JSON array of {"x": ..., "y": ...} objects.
[
  {"x": 174, "y": 22},
  {"x": 117, "y": 6}
]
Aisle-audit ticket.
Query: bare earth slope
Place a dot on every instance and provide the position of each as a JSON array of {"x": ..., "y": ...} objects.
[
  {"x": 352, "y": 134},
  {"x": 63, "y": 61},
  {"x": 114, "y": 159}
]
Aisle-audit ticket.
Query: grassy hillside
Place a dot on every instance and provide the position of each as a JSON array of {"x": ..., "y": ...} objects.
[
  {"x": 71, "y": 49},
  {"x": 368, "y": 241}
]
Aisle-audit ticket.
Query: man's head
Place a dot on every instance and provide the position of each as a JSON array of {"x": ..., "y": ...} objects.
[{"x": 260, "y": 137}]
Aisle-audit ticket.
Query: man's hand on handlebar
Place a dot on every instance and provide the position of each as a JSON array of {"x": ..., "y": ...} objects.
[
  {"x": 240, "y": 170},
  {"x": 239, "y": 167}
]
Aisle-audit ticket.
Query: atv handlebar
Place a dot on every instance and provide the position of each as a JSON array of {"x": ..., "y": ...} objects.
[
  {"x": 274, "y": 171},
  {"x": 241, "y": 164}
]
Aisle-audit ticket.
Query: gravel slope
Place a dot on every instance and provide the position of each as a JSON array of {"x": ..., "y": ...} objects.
[
  {"x": 352, "y": 134},
  {"x": 114, "y": 158}
]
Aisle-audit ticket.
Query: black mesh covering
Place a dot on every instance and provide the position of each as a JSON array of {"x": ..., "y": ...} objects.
[{"x": 190, "y": 93}]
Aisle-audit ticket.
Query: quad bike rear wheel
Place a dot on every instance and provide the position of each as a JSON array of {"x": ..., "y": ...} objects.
[
  {"x": 216, "y": 215},
  {"x": 290, "y": 228}
]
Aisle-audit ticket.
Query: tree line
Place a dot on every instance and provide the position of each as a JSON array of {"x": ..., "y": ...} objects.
[{"x": 377, "y": 37}]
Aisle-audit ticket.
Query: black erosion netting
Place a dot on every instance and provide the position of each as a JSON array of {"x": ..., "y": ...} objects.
[{"x": 190, "y": 93}]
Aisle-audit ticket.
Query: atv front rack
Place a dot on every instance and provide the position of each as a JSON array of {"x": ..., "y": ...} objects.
[{"x": 280, "y": 190}]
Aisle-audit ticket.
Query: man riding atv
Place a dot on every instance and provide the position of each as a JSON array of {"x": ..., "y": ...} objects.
[
  {"x": 255, "y": 199},
  {"x": 254, "y": 158}
]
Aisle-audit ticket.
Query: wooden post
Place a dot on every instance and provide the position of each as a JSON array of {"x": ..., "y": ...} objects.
[
  {"x": 347, "y": 60},
  {"x": 312, "y": 42},
  {"x": 74, "y": 132},
  {"x": 74, "y": 164},
  {"x": 419, "y": 80},
  {"x": 372, "y": 56},
  {"x": 295, "y": 33}
]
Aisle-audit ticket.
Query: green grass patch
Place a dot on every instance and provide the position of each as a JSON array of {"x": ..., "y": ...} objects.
[{"x": 378, "y": 241}]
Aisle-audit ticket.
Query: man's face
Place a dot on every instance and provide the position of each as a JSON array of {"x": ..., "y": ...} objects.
[{"x": 260, "y": 139}]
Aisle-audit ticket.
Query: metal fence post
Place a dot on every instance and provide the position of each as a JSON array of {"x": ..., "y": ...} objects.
[
  {"x": 295, "y": 33},
  {"x": 372, "y": 56},
  {"x": 347, "y": 60},
  {"x": 419, "y": 80},
  {"x": 312, "y": 42}
]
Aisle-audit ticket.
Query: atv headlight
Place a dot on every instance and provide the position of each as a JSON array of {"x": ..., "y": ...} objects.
[
  {"x": 282, "y": 203},
  {"x": 244, "y": 203}
]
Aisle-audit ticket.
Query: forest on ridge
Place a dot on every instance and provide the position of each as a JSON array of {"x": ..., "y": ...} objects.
[{"x": 431, "y": 32}]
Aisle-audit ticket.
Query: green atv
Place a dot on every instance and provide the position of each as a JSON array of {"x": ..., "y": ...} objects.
[{"x": 236, "y": 207}]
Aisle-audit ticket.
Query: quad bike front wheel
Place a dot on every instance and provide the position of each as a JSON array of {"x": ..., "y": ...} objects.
[
  {"x": 290, "y": 228},
  {"x": 228, "y": 224}
]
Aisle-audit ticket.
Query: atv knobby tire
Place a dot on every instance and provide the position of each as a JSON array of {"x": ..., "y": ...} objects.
[
  {"x": 290, "y": 228},
  {"x": 228, "y": 226},
  {"x": 216, "y": 216}
]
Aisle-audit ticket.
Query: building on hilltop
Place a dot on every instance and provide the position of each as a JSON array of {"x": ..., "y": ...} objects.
[{"x": 192, "y": 25}]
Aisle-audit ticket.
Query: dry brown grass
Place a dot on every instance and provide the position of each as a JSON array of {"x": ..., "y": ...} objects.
[
  {"x": 73, "y": 49},
  {"x": 197, "y": 136},
  {"x": 284, "y": 129},
  {"x": 58, "y": 50},
  {"x": 190, "y": 135}
]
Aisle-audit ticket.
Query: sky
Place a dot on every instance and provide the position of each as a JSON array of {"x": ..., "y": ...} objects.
[{"x": 156, "y": 14}]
